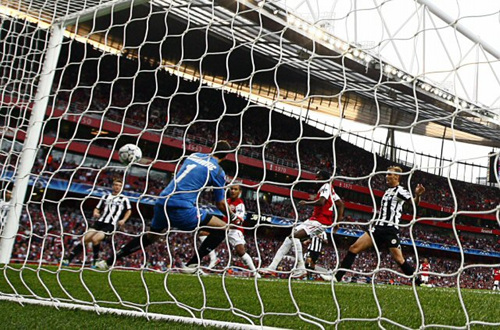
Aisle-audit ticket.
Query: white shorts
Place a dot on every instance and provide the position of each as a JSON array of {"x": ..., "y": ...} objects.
[
  {"x": 496, "y": 282},
  {"x": 311, "y": 227},
  {"x": 425, "y": 278},
  {"x": 235, "y": 237}
]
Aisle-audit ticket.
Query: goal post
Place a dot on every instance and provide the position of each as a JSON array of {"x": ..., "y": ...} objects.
[{"x": 31, "y": 144}]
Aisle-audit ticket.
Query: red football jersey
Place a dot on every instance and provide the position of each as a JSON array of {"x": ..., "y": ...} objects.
[
  {"x": 424, "y": 268},
  {"x": 496, "y": 274},
  {"x": 324, "y": 214},
  {"x": 237, "y": 207}
]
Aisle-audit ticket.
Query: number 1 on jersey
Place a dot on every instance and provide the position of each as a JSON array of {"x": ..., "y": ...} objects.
[{"x": 188, "y": 169}]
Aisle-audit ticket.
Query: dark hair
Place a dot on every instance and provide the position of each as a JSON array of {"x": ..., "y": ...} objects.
[
  {"x": 221, "y": 149},
  {"x": 323, "y": 175}
]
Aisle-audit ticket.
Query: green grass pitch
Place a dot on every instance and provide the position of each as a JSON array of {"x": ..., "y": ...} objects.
[{"x": 267, "y": 301}]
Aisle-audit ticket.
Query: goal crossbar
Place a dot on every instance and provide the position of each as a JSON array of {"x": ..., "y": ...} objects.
[{"x": 97, "y": 11}]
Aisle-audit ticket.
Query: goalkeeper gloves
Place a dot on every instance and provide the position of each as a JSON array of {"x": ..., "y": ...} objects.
[{"x": 236, "y": 219}]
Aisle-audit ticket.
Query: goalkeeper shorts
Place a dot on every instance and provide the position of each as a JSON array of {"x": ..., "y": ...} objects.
[{"x": 179, "y": 218}]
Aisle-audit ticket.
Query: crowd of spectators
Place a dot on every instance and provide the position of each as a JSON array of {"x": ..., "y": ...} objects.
[{"x": 260, "y": 133}]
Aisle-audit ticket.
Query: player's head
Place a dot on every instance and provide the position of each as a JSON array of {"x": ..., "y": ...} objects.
[
  {"x": 322, "y": 175},
  {"x": 393, "y": 175},
  {"x": 234, "y": 191},
  {"x": 117, "y": 186},
  {"x": 221, "y": 149},
  {"x": 426, "y": 261}
]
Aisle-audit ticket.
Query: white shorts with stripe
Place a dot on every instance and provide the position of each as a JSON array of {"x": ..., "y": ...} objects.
[
  {"x": 312, "y": 228},
  {"x": 235, "y": 237}
]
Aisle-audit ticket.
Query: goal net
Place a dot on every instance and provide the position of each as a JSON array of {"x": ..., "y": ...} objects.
[{"x": 349, "y": 89}]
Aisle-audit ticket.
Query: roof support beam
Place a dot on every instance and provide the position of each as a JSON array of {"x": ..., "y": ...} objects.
[{"x": 460, "y": 28}]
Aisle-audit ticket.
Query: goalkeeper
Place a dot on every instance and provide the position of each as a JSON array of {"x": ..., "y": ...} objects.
[{"x": 178, "y": 208}]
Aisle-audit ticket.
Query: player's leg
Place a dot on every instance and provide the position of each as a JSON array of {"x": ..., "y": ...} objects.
[
  {"x": 132, "y": 246},
  {"x": 237, "y": 240},
  {"x": 78, "y": 249},
  {"x": 158, "y": 224},
  {"x": 96, "y": 240},
  {"x": 405, "y": 266},
  {"x": 298, "y": 236},
  {"x": 362, "y": 243},
  {"x": 314, "y": 251},
  {"x": 391, "y": 238},
  {"x": 293, "y": 240},
  {"x": 215, "y": 227},
  {"x": 212, "y": 255},
  {"x": 282, "y": 251}
]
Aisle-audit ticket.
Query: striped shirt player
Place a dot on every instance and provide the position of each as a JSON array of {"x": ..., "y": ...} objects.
[
  {"x": 112, "y": 211},
  {"x": 314, "y": 251},
  {"x": 109, "y": 211},
  {"x": 386, "y": 228},
  {"x": 315, "y": 226},
  {"x": 392, "y": 206},
  {"x": 385, "y": 232}
]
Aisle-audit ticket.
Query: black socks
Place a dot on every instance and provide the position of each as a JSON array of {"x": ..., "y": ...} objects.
[
  {"x": 131, "y": 247},
  {"x": 346, "y": 263},
  {"x": 210, "y": 243}
]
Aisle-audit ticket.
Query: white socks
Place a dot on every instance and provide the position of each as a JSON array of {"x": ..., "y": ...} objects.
[
  {"x": 299, "y": 256},
  {"x": 248, "y": 261},
  {"x": 283, "y": 250}
]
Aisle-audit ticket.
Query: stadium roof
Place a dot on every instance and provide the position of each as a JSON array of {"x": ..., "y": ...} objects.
[{"x": 302, "y": 64}]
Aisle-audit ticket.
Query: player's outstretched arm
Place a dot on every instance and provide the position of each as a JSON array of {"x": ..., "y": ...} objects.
[{"x": 318, "y": 202}]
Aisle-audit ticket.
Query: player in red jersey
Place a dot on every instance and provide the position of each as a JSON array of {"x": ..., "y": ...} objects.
[
  {"x": 324, "y": 203},
  {"x": 425, "y": 267},
  {"x": 496, "y": 279},
  {"x": 235, "y": 234}
]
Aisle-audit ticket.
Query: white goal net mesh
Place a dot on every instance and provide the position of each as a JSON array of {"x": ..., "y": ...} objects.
[{"x": 293, "y": 95}]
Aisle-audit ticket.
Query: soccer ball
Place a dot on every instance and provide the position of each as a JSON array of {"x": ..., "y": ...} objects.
[{"x": 130, "y": 153}]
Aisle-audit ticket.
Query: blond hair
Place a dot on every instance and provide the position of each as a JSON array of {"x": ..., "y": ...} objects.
[{"x": 395, "y": 169}]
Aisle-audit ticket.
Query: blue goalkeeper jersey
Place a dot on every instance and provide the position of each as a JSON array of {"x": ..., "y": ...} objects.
[{"x": 199, "y": 171}]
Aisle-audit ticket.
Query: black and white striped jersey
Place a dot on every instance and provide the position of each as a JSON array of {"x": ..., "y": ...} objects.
[
  {"x": 317, "y": 243},
  {"x": 392, "y": 206},
  {"x": 113, "y": 207}
]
